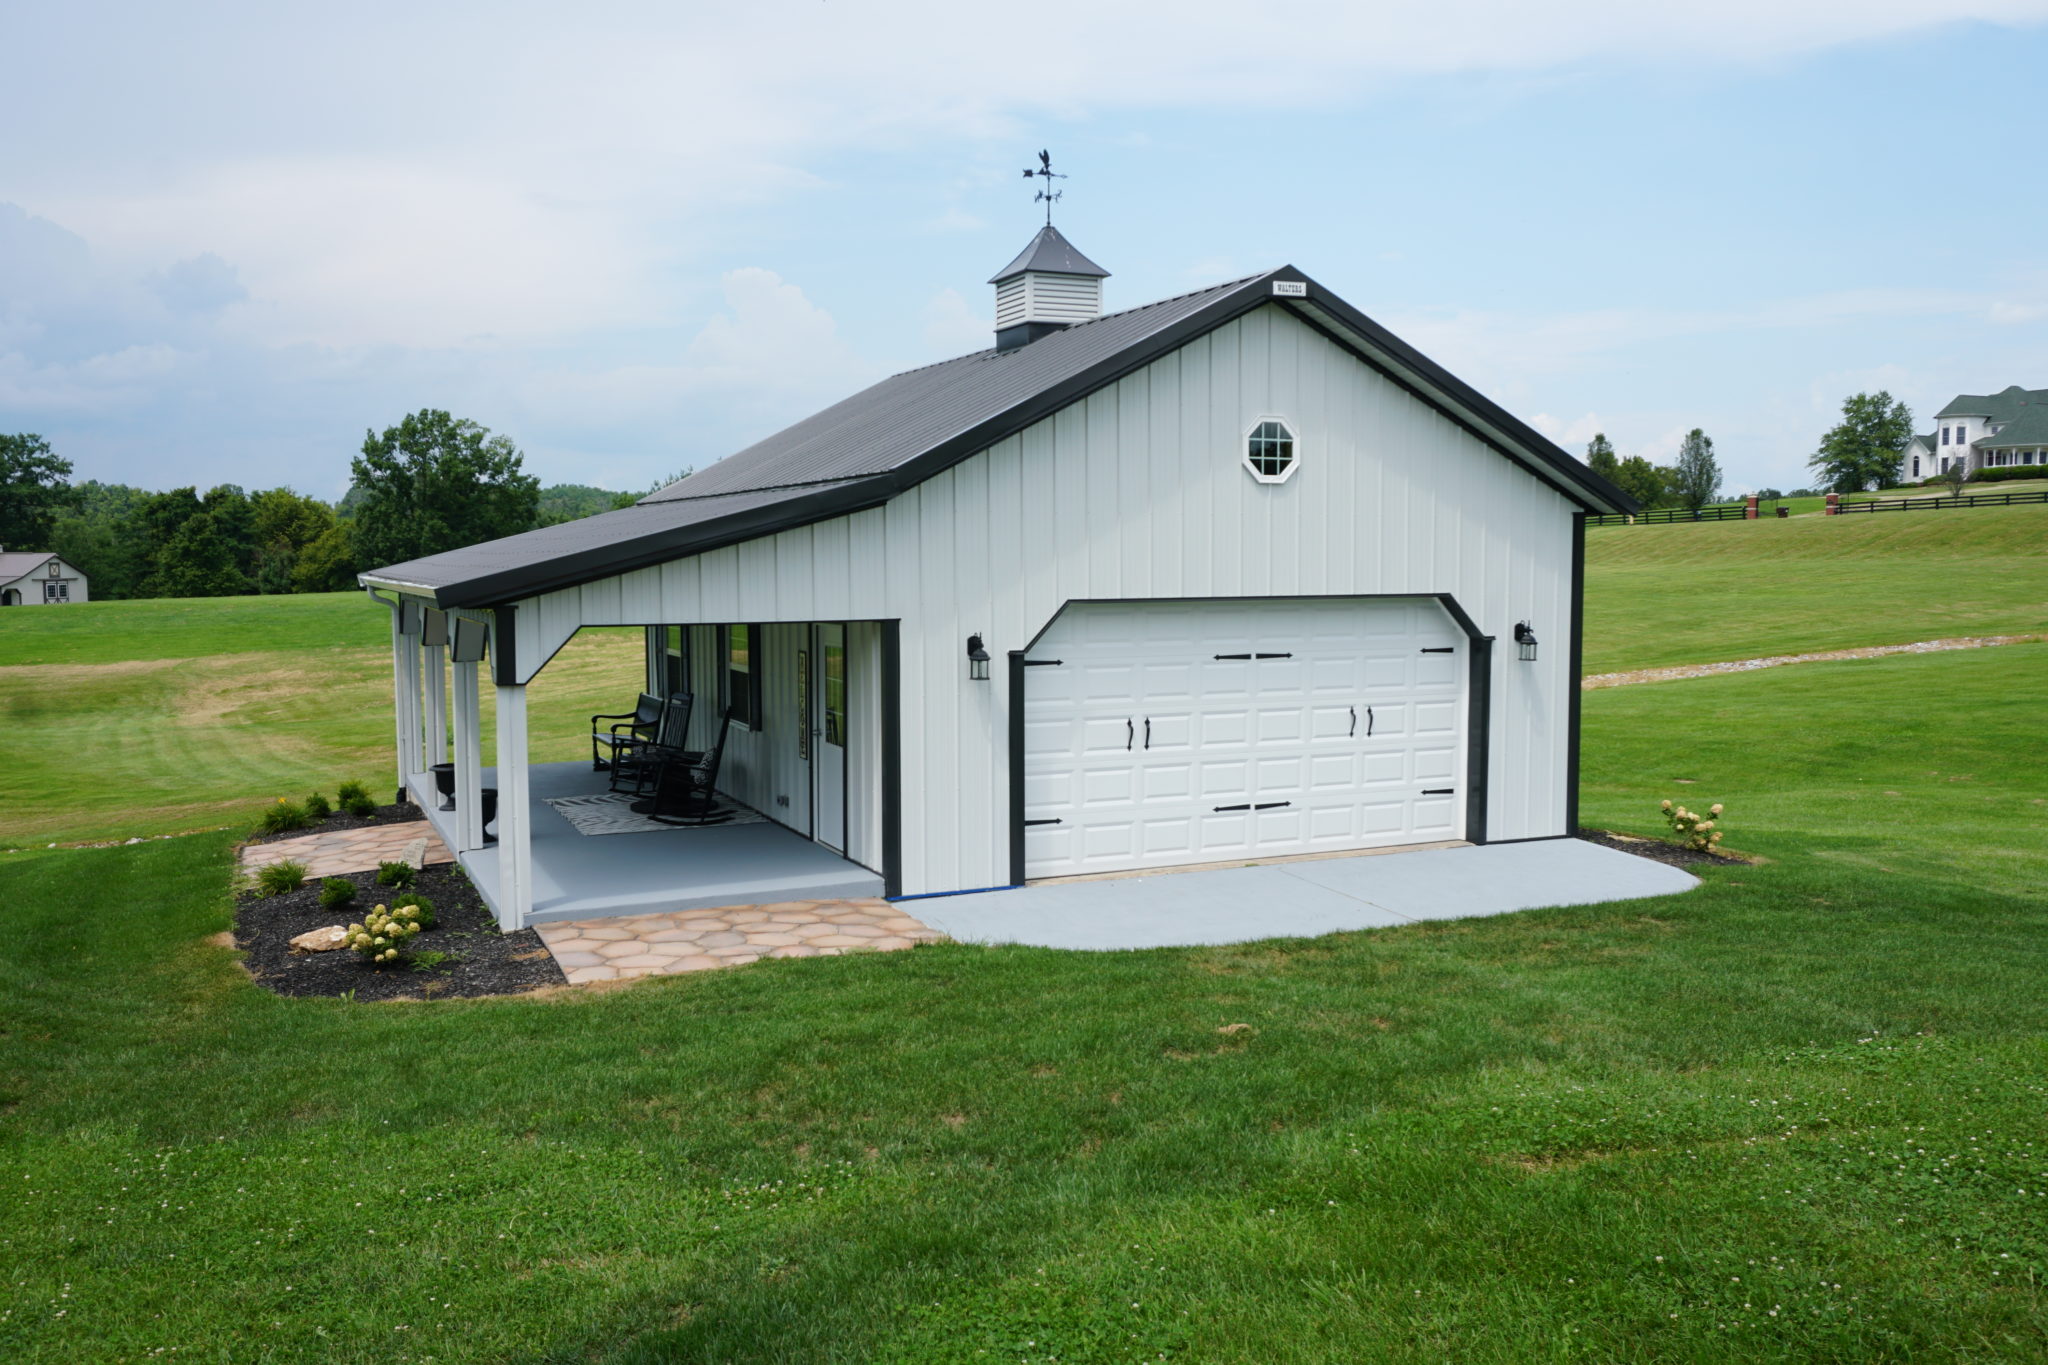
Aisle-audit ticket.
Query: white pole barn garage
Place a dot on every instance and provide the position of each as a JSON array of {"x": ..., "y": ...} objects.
[{"x": 1253, "y": 578}]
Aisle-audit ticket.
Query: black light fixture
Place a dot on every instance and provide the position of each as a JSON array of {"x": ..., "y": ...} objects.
[
  {"x": 977, "y": 659},
  {"x": 434, "y": 628},
  {"x": 466, "y": 641},
  {"x": 1525, "y": 642}
]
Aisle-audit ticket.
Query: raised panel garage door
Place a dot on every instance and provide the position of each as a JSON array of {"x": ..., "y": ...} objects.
[{"x": 1194, "y": 732}]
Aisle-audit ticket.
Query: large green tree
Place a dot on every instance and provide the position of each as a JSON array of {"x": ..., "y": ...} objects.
[
  {"x": 284, "y": 524},
  {"x": 1696, "y": 477},
  {"x": 1868, "y": 446},
  {"x": 436, "y": 482},
  {"x": 194, "y": 546},
  {"x": 1600, "y": 456},
  {"x": 35, "y": 488},
  {"x": 1649, "y": 484}
]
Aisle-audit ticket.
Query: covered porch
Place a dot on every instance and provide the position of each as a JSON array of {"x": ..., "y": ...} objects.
[
  {"x": 574, "y": 875},
  {"x": 794, "y": 710}
]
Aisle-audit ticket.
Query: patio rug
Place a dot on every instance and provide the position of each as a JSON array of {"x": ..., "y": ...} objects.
[{"x": 612, "y": 813}]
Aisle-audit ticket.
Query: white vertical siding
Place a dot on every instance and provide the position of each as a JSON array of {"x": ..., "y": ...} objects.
[{"x": 1139, "y": 491}]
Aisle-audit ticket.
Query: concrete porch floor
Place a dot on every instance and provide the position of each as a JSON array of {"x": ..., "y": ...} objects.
[
  {"x": 581, "y": 876},
  {"x": 1301, "y": 899}
]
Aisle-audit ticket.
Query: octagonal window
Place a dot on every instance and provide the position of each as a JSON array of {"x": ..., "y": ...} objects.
[{"x": 1269, "y": 450}]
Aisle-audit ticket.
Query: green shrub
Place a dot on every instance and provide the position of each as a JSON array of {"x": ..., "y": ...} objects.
[
  {"x": 2000, "y": 473},
  {"x": 418, "y": 902},
  {"x": 355, "y": 798},
  {"x": 336, "y": 892},
  {"x": 280, "y": 879},
  {"x": 383, "y": 934},
  {"x": 396, "y": 874},
  {"x": 282, "y": 818},
  {"x": 317, "y": 807},
  {"x": 1692, "y": 829},
  {"x": 430, "y": 958}
]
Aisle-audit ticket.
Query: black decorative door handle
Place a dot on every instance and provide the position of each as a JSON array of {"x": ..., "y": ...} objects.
[
  {"x": 1130, "y": 733},
  {"x": 1354, "y": 722},
  {"x": 1148, "y": 733},
  {"x": 1368, "y": 722}
]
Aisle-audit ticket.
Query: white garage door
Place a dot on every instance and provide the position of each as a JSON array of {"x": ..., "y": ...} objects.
[{"x": 1197, "y": 732}]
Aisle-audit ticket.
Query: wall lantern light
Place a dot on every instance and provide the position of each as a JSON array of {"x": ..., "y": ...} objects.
[
  {"x": 408, "y": 616},
  {"x": 1525, "y": 642},
  {"x": 467, "y": 641},
  {"x": 977, "y": 659},
  {"x": 434, "y": 629}
]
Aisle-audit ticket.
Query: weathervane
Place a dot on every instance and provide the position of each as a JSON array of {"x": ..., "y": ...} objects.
[{"x": 1048, "y": 196}]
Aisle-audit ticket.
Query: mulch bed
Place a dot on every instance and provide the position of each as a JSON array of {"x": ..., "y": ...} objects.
[
  {"x": 481, "y": 960},
  {"x": 1658, "y": 851},
  {"x": 340, "y": 820}
]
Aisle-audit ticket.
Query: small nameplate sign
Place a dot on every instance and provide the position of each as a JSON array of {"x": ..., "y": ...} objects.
[{"x": 1291, "y": 289}]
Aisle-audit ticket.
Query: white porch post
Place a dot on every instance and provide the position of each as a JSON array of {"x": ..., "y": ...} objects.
[
  {"x": 469, "y": 760},
  {"x": 515, "y": 833},
  {"x": 437, "y": 705},
  {"x": 405, "y": 697}
]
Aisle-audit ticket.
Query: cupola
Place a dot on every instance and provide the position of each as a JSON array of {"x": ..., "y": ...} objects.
[{"x": 1050, "y": 285}]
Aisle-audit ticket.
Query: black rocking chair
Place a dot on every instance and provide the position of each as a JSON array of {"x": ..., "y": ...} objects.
[
  {"x": 634, "y": 759},
  {"x": 638, "y": 724},
  {"x": 685, "y": 786}
]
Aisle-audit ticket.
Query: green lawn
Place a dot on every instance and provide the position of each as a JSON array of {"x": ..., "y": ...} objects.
[
  {"x": 1708, "y": 591},
  {"x": 1800, "y": 1114},
  {"x": 193, "y": 627}
]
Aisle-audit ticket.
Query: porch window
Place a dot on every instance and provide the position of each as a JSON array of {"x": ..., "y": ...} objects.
[{"x": 743, "y": 675}]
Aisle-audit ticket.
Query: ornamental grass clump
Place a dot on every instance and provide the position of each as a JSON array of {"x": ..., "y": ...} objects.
[
  {"x": 280, "y": 879},
  {"x": 381, "y": 938},
  {"x": 317, "y": 807},
  {"x": 399, "y": 874},
  {"x": 336, "y": 892},
  {"x": 1695, "y": 831},
  {"x": 355, "y": 798},
  {"x": 282, "y": 818}
]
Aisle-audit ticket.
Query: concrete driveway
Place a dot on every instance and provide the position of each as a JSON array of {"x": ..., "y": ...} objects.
[{"x": 1301, "y": 899}]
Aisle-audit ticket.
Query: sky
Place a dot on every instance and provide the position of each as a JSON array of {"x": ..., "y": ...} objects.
[{"x": 636, "y": 238}]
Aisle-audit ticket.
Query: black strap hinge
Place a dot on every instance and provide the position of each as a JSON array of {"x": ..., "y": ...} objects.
[
  {"x": 1044, "y": 822},
  {"x": 1043, "y": 663},
  {"x": 1233, "y": 656},
  {"x": 1439, "y": 791},
  {"x": 1441, "y": 649}
]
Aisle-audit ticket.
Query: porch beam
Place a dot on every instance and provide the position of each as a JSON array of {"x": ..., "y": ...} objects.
[
  {"x": 469, "y": 759},
  {"x": 515, "y": 826}
]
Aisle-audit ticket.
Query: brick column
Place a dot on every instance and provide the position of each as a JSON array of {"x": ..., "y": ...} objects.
[
  {"x": 1834, "y": 504},
  {"x": 1749, "y": 508}
]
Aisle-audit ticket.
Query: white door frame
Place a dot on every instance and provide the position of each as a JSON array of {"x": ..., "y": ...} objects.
[{"x": 829, "y": 766}]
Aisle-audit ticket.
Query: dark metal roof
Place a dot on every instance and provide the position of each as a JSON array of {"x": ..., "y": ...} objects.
[
  {"x": 1051, "y": 253},
  {"x": 862, "y": 451}
]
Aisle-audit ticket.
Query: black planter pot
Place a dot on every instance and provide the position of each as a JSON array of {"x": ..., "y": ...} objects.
[
  {"x": 444, "y": 782},
  {"x": 490, "y": 813}
]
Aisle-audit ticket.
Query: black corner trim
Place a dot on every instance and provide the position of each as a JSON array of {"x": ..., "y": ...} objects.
[
  {"x": 892, "y": 758},
  {"x": 1575, "y": 676},
  {"x": 1479, "y": 737},
  {"x": 1018, "y": 663},
  {"x": 504, "y": 647}
]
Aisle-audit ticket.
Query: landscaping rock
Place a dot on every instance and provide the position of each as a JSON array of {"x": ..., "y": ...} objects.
[
  {"x": 321, "y": 940},
  {"x": 415, "y": 855}
]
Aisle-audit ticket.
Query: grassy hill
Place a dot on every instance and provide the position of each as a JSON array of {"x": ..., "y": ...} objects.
[{"x": 1708, "y": 591}]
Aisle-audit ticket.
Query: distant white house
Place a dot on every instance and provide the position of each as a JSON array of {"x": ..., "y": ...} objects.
[
  {"x": 32, "y": 579},
  {"x": 1983, "y": 431}
]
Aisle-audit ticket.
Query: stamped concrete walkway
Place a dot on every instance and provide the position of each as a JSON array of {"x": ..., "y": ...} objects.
[
  {"x": 624, "y": 947},
  {"x": 346, "y": 850}
]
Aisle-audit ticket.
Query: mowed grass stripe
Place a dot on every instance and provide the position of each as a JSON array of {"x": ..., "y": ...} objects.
[{"x": 158, "y": 746}]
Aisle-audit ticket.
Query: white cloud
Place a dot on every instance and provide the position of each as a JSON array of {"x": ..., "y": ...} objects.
[{"x": 952, "y": 327}]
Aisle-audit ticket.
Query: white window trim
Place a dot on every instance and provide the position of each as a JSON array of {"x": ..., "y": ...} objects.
[{"x": 1244, "y": 451}]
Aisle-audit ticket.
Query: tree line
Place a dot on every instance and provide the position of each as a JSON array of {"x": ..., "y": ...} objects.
[
  {"x": 1866, "y": 449},
  {"x": 431, "y": 483}
]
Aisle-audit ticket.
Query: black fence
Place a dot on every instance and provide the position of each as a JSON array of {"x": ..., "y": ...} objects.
[
  {"x": 1665, "y": 515},
  {"x": 1659, "y": 516},
  {"x": 1931, "y": 504}
]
